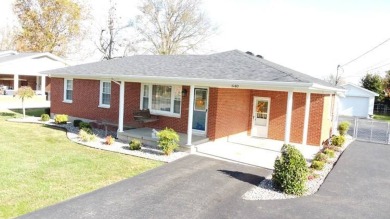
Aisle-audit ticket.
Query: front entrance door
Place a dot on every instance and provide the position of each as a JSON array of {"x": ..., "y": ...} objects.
[
  {"x": 260, "y": 118},
  {"x": 199, "y": 122}
]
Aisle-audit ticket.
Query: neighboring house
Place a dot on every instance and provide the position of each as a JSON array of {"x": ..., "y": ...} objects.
[
  {"x": 215, "y": 95},
  {"x": 24, "y": 69},
  {"x": 358, "y": 101}
]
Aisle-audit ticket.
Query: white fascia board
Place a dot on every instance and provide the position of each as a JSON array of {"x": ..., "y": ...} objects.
[{"x": 220, "y": 83}]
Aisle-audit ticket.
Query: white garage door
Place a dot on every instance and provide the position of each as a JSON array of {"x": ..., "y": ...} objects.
[{"x": 354, "y": 106}]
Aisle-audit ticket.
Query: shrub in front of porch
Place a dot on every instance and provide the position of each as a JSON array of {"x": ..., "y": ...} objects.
[
  {"x": 135, "y": 144},
  {"x": 338, "y": 140},
  {"x": 168, "y": 140},
  {"x": 45, "y": 117},
  {"x": 61, "y": 119},
  {"x": 291, "y": 172},
  {"x": 343, "y": 128}
]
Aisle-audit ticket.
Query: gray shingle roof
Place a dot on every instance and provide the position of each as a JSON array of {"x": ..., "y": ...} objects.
[
  {"x": 8, "y": 58},
  {"x": 230, "y": 65}
]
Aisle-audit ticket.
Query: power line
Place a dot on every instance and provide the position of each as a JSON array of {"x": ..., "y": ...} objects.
[{"x": 366, "y": 52}]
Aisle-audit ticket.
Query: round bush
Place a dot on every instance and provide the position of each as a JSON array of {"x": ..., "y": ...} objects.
[
  {"x": 329, "y": 152},
  {"x": 321, "y": 157},
  {"x": 338, "y": 140},
  {"x": 317, "y": 165},
  {"x": 135, "y": 144},
  {"x": 291, "y": 172},
  {"x": 343, "y": 128},
  {"x": 45, "y": 117},
  {"x": 168, "y": 140}
]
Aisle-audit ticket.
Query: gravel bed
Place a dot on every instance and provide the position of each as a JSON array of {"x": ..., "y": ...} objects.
[
  {"x": 119, "y": 147},
  {"x": 267, "y": 191}
]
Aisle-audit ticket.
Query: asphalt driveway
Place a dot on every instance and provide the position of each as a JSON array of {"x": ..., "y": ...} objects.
[
  {"x": 185, "y": 188},
  {"x": 198, "y": 187}
]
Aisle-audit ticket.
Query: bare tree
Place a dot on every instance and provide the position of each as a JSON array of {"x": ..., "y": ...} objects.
[
  {"x": 173, "y": 26},
  {"x": 113, "y": 42},
  {"x": 7, "y": 38}
]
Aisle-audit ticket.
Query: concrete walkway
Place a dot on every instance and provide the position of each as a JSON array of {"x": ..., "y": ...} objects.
[{"x": 198, "y": 187}]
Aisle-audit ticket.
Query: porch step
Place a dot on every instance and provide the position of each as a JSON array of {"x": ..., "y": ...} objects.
[{"x": 145, "y": 136}]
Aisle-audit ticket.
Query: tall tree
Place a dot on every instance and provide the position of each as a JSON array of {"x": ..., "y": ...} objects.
[
  {"x": 48, "y": 25},
  {"x": 173, "y": 26},
  {"x": 373, "y": 82},
  {"x": 112, "y": 42},
  {"x": 7, "y": 38}
]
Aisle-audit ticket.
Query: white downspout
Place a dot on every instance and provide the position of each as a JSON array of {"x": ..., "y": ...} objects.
[
  {"x": 121, "y": 105},
  {"x": 306, "y": 119}
]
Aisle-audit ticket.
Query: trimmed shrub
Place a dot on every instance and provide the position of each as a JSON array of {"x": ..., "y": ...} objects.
[
  {"x": 86, "y": 137},
  {"x": 135, "y": 144},
  {"x": 168, "y": 140},
  {"x": 338, "y": 140},
  {"x": 291, "y": 172},
  {"x": 61, "y": 119},
  {"x": 45, "y": 117},
  {"x": 329, "y": 152},
  {"x": 109, "y": 140},
  {"x": 343, "y": 128},
  {"x": 76, "y": 122},
  {"x": 321, "y": 157},
  {"x": 317, "y": 165},
  {"x": 86, "y": 127}
]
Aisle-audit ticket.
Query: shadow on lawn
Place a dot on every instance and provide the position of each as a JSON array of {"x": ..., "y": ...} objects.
[{"x": 245, "y": 177}]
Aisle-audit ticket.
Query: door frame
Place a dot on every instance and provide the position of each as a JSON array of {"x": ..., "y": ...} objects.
[
  {"x": 253, "y": 114},
  {"x": 195, "y": 131}
]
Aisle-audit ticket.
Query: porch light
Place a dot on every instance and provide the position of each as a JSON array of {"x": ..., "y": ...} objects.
[{"x": 184, "y": 93}]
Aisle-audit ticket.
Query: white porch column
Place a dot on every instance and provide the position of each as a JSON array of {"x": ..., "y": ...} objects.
[
  {"x": 43, "y": 84},
  {"x": 190, "y": 115},
  {"x": 306, "y": 120},
  {"x": 16, "y": 82},
  {"x": 121, "y": 105},
  {"x": 288, "y": 117}
]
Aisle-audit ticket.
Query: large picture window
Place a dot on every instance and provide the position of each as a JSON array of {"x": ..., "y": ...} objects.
[
  {"x": 68, "y": 90},
  {"x": 161, "y": 99},
  {"x": 105, "y": 93}
]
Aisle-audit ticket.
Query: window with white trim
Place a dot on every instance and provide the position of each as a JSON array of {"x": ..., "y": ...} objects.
[
  {"x": 68, "y": 90},
  {"x": 105, "y": 93},
  {"x": 161, "y": 99}
]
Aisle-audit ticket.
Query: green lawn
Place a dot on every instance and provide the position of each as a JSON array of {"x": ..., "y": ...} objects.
[
  {"x": 39, "y": 167},
  {"x": 382, "y": 117}
]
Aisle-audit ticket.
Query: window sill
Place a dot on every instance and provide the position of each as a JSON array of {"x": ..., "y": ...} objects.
[
  {"x": 67, "y": 101},
  {"x": 156, "y": 113},
  {"x": 104, "y": 106}
]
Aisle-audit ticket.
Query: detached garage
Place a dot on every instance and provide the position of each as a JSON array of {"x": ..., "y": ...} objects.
[{"x": 358, "y": 101}]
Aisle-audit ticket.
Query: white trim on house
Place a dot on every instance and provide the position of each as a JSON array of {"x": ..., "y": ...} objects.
[
  {"x": 190, "y": 114},
  {"x": 199, "y": 132},
  {"x": 65, "y": 100},
  {"x": 306, "y": 118},
  {"x": 101, "y": 104},
  {"x": 288, "y": 117},
  {"x": 121, "y": 105}
]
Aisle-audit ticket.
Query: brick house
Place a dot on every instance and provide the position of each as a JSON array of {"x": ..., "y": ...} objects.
[{"x": 215, "y": 96}]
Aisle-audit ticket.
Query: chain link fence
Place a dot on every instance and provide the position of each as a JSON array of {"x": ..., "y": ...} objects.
[{"x": 368, "y": 129}]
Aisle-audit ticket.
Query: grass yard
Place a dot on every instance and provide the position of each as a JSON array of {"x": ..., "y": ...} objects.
[
  {"x": 382, "y": 117},
  {"x": 39, "y": 167}
]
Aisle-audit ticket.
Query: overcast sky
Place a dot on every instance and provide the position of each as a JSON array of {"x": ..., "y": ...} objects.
[{"x": 310, "y": 36}]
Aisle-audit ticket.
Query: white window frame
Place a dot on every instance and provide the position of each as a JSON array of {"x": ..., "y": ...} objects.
[
  {"x": 65, "y": 89},
  {"x": 101, "y": 94},
  {"x": 160, "y": 112}
]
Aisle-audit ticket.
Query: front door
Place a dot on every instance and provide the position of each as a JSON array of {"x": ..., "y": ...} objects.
[
  {"x": 260, "y": 118},
  {"x": 199, "y": 122}
]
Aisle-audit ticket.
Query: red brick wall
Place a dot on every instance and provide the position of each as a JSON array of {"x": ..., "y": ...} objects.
[
  {"x": 298, "y": 117},
  {"x": 315, "y": 119},
  {"x": 86, "y": 100},
  {"x": 228, "y": 112}
]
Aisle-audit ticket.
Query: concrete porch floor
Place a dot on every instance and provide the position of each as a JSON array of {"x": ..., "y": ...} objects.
[
  {"x": 250, "y": 150},
  {"x": 146, "y": 135}
]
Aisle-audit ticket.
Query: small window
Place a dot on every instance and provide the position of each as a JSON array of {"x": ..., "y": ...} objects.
[
  {"x": 105, "y": 93},
  {"x": 68, "y": 90},
  {"x": 145, "y": 97}
]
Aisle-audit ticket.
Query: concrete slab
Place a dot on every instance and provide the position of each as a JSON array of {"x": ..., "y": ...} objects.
[{"x": 251, "y": 150}]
